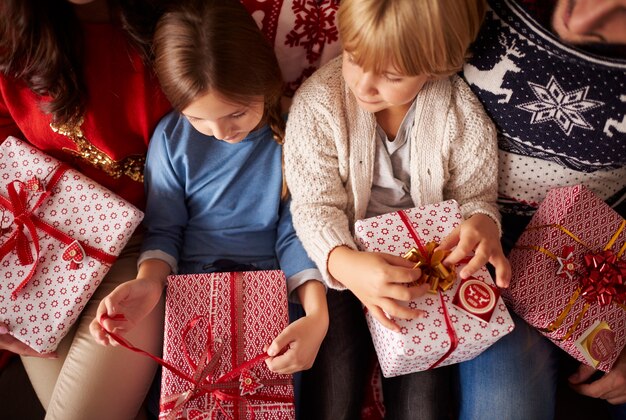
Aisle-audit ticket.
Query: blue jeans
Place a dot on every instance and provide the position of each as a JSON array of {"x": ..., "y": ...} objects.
[
  {"x": 334, "y": 387},
  {"x": 513, "y": 379}
]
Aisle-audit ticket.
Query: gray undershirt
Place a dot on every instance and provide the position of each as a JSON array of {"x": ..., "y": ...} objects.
[{"x": 391, "y": 184}]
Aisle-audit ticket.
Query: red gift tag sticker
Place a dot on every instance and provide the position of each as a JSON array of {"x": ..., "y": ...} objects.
[
  {"x": 249, "y": 383},
  {"x": 34, "y": 185},
  {"x": 477, "y": 298},
  {"x": 75, "y": 254}
]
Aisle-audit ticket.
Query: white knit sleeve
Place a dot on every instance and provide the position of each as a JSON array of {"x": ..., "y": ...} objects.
[
  {"x": 474, "y": 155},
  {"x": 312, "y": 168}
]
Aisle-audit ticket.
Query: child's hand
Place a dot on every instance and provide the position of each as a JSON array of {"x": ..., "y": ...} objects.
[
  {"x": 479, "y": 234},
  {"x": 378, "y": 280},
  {"x": 134, "y": 299},
  {"x": 300, "y": 341}
]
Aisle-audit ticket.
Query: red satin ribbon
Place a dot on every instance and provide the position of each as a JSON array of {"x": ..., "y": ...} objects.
[
  {"x": 202, "y": 379},
  {"x": 24, "y": 218},
  {"x": 454, "y": 339}
]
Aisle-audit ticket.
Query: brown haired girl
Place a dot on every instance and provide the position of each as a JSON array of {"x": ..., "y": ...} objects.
[{"x": 216, "y": 196}]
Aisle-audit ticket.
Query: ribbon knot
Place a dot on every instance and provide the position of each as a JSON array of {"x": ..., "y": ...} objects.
[
  {"x": 203, "y": 379},
  {"x": 22, "y": 220},
  {"x": 430, "y": 261}
]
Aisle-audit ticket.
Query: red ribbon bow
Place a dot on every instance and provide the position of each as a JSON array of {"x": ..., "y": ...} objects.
[
  {"x": 604, "y": 279},
  {"x": 25, "y": 220},
  {"x": 203, "y": 380}
]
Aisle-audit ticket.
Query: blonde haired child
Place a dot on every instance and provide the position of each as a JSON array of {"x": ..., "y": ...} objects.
[
  {"x": 389, "y": 126},
  {"x": 214, "y": 179}
]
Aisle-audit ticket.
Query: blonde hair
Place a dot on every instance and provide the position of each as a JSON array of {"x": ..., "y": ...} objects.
[{"x": 417, "y": 37}]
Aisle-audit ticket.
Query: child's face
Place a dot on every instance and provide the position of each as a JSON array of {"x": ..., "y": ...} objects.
[
  {"x": 378, "y": 92},
  {"x": 213, "y": 115}
]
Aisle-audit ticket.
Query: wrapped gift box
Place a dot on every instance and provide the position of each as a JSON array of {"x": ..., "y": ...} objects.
[
  {"x": 459, "y": 322},
  {"x": 60, "y": 232},
  {"x": 223, "y": 320},
  {"x": 577, "y": 306}
]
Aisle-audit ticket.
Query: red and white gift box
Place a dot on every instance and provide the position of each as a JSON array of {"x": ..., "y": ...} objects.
[
  {"x": 569, "y": 275},
  {"x": 458, "y": 323},
  {"x": 216, "y": 326},
  {"x": 60, "y": 232}
]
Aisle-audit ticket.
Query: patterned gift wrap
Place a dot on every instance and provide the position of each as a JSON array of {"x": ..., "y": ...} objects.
[
  {"x": 60, "y": 232},
  {"x": 216, "y": 326},
  {"x": 462, "y": 317},
  {"x": 569, "y": 273}
]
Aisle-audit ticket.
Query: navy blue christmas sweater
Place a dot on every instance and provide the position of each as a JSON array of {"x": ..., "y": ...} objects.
[{"x": 560, "y": 113}]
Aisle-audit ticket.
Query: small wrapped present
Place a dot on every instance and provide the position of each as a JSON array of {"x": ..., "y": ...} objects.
[
  {"x": 462, "y": 317},
  {"x": 569, "y": 275},
  {"x": 60, "y": 232},
  {"x": 215, "y": 328}
]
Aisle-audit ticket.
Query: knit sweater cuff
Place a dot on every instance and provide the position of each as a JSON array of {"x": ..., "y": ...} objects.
[{"x": 323, "y": 245}]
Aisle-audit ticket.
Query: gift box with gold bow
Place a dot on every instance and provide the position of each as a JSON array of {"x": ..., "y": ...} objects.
[
  {"x": 463, "y": 317},
  {"x": 215, "y": 328},
  {"x": 60, "y": 232},
  {"x": 569, "y": 275}
]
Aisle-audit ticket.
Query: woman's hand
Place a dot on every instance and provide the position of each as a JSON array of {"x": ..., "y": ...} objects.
[
  {"x": 379, "y": 281},
  {"x": 12, "y": 344},
  {"x": 133, "y": 300},
  {"x": 478, "y": 234}
]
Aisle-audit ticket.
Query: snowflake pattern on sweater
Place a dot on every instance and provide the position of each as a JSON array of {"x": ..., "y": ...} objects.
[{"x": 560, "y": 112}]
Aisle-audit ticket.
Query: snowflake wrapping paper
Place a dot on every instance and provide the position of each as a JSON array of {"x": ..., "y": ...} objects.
[
  {"x": 233, "y": 316},
  {"x": 577, "y": 306},
  {"x": 60, "y": 234},
  {"x": 458, "y": 323}
]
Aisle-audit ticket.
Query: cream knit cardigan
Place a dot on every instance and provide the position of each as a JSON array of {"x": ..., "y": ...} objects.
[{"x": 330, "y": 148}]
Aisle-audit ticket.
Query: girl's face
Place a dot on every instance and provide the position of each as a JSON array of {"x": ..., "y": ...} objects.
[
  {"x": 378, "y": 92},
  {"x": 213, "y": 115}
]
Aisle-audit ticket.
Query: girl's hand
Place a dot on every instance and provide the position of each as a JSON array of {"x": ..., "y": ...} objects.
[
  {"x": 12, "y": 344},
  {"x": 379, "y": 281},
  {"x": 300, "y": 342},
  {"x": 134, "y": 299},
  {"x": 479, "y": 234},
  {"x": 296, "y": 346}
]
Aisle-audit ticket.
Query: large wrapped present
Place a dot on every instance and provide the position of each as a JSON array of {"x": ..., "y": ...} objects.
[
  {"x": 216, "y": 326},
  {"x": 60, "y": 232},
  {"x": 462, "y": 317},
  {"x": 569, "y": 275}
]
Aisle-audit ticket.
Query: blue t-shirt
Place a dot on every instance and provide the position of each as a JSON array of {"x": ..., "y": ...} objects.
[{"x": 214, "y": 206}]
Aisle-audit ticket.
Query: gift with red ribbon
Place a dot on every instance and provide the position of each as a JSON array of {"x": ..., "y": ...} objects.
[
  {"x": 463, "y": 317},
  {"x": 569, "y": 275},
  {"x": 60, "y": 232},
  {"x": 215, "y": 328}
]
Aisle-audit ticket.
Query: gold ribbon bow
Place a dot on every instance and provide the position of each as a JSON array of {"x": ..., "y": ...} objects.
[{"x": 434, "y": 272}]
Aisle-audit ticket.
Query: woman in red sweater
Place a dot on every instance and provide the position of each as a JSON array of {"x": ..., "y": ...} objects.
[{"x": 76, "y": 82}]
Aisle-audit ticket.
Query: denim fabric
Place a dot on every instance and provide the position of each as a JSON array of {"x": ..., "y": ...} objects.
[
  {"x": 513, "y": 379},
  {"x": 334, "y": 387}
]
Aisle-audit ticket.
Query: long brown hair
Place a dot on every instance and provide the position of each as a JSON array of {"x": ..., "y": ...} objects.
[
  {"x": 215, "y": 45},
  {"x": 41, "y": 44}
]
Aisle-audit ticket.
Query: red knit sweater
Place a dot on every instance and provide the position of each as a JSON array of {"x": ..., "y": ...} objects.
[{"x": 124, "y": 104}]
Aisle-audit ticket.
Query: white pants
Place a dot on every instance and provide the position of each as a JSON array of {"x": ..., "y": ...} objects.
[{"x": 90, "y": 381}]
